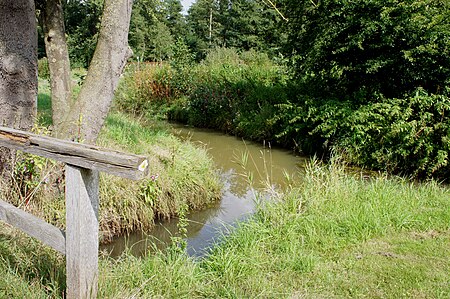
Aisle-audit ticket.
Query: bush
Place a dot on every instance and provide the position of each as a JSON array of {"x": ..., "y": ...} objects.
[
  {"x": 228, "y": 91},
  {"x": 409, "y": 135},
  {"x": 144, "y": 86},
  {"x": 236, "y": 92}
]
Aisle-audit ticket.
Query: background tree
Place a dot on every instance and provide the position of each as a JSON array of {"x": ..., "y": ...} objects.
[
  {"x": 173, "y": 18},
  {"x": 155, "y": 25},
  {"x": 143, "y": 17},
  {"x": 82, "y": 24},
  {"x": 241, "y": 24},
  {"x": 203, "y": 23}
]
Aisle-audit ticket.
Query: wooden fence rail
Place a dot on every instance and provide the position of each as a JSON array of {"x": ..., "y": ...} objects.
[{"x": 80, "y": 240}]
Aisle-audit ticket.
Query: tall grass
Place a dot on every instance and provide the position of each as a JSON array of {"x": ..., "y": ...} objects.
[
  {"x": 180, "y": 174},
  {"x": 380, "y": 234},
  {"x": 27, "y": 268},
  {"x": 330, "y": 236}
]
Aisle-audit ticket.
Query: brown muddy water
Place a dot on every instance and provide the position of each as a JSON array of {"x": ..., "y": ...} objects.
[{"x": 244, "y": 185}]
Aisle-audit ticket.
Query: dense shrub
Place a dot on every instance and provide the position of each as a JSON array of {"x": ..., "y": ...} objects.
[
  {"x": 236, "y": 92},
  {"x": 146, "y": 85},
  {"x": 230, "y": 91},
  {"x": 353, "y": 49},
  {"x": 409, "y": 135}
]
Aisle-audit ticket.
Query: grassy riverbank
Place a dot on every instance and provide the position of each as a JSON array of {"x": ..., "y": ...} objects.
[
  {"x": 332, "y": 236},
  {"x": 180, "y": 176}
]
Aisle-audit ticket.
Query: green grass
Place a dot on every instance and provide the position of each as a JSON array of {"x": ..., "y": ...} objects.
[
  {"x": 339, "y": 236},
  {"x": 27, "y": 268},
  {"x": 179, "y": 174},
  {"x": 44, "y": 103},
  {"x": 331, "y": 236}
]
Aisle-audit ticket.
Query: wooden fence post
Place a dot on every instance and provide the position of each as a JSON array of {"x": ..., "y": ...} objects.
[
  {"x": 80, "y": 241},
  {"x": 81, "y": 232}
]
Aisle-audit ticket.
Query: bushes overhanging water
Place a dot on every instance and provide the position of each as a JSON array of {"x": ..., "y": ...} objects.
[{"x": 249, "y": 95}]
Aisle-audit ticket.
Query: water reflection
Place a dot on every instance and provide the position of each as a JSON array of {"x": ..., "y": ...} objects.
[{"x": 265, "y": 165}]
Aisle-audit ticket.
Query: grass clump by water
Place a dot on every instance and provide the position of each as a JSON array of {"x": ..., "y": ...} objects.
[
  {"x": 179, "y": 174},
  {"x": 330, "y": 236}
]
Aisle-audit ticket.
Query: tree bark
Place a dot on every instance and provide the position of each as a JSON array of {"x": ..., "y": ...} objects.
[
  {"x": 88, "y": 114},
  {"x": 18, "y": 67},
  {"x": 52, "y": 17}
]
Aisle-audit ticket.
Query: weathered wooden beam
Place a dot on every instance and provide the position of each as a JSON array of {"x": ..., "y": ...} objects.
[
  {"x": 73, "y": 153},
  {"x": 81, "y": 232},
  {"x": 34, "y": 226}
]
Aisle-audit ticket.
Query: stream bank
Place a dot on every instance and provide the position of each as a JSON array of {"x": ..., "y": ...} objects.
[{"x": 265, "y": 171}]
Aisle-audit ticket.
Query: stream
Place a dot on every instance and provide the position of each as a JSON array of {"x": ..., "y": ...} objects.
[{"x": 267, "y": 166}]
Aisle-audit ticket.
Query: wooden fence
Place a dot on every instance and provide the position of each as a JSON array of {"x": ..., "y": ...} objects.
[{"x": 80, "y": 240}]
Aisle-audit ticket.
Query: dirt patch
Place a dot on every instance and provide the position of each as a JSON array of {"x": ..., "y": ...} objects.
[{"x": 431, "y": 234}]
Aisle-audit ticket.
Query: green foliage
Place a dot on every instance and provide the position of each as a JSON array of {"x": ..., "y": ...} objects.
[
  {"x": 144, "y": 86},
  {"x": 82, "y": 23},
  {"x": 154, "y": 27},
  {"x": 240, "y": 24},
  {"x": 43, "y": 70},
  {"x": 236, "y": 93},
  {"x": 371, "y": 82},
  {"x": 355, "y": 49},
  {"x": 410, "y": 135},
  {"x": 182, "y": 57},
  {"x": 227, "y": 91},
  {"x": 26, "y": 176}
]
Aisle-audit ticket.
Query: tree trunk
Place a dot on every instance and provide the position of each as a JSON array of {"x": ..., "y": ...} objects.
[
  {"x": 18, "y": 67},
  {"x": 52, "y": 17},
  {"x": 89, "y": 111}
]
